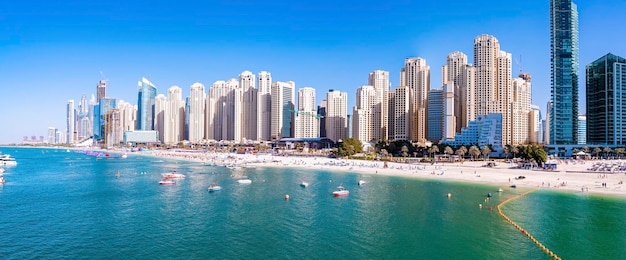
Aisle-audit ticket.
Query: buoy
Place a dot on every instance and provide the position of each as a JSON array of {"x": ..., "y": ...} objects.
[
  {"x": 480, "y": 206},
  {"x": 287, "y": 197},
  {"x": 449, "y": 195}
]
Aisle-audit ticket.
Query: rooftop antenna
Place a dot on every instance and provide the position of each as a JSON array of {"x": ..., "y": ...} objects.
[{"x": 103, "y": 77}]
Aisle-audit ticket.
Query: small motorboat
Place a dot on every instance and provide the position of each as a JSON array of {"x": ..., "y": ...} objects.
[
  {"x": 244, "y": 181},
  {"x": 341, "y": 191},
  {"x": 361, "y": 182},
  {"x": 513, "y": 186},
  {"x": 174, "y": 175},
  {"x": 1, "y": 179},
  {"x": 500, "y": 190},
  {"x": 489, "y": 194},
  {"x": 304, "y": 184},
  {"x": 215, "y": 187},
  {"x": 166, "y": 182},
  {"x": 1, "y": 170}
]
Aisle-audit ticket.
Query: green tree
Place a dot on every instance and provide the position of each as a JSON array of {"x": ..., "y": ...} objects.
[
  {"x": 619, "y": 152},
  {"x": 536, "y": 153},
  {"x": 448, "y": 150},
  {"x": 349, "y": 147},
  {"x": 433, "y": 150},
  {"x": 405, "y": 151},
  {"x": 461, "y": 151},
  {"x": 607, "y": 150}
]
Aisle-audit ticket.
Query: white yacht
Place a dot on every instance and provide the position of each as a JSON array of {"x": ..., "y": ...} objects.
[{"x": 7, "y": 160}]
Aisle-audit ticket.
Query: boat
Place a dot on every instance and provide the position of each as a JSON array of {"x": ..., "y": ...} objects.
[
  {"x": 7, "y": 160},
  {"x": 166, "y": 182},
  {"x": 361, "y": 182},
  {"x": 2, "y": 170},
  {"x": 489, "y": 194},
  {"x": 244, "y": 181},
  {"x": 124, "y": 156},
  {"x": 1, "y": 179},
  {"x": 341, "y": 191},
  {"x": 174, "y": 175},
  {"x": 513, "y": 186},
  {"x": 215, "y": 187},
  {"x": 500, "y": 190},
  {"x": 304, "y": 184}
]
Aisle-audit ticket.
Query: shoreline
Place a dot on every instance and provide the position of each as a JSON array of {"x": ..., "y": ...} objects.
[{"x": 570, "y": 178}]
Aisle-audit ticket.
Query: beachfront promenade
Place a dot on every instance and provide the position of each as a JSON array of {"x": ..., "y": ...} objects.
[{"x": 570, "y": 176}]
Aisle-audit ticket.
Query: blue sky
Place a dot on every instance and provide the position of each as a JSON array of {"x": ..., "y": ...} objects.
[{"x": 53, "y": 51}]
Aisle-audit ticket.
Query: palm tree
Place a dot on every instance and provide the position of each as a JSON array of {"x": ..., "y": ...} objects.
[
  {"x": 485, "y": 151},
  {"x": 433, "y": 150},
  {"x": 405, "y": 151},
  {"x": 607, "y": 150},
  {"x": 448, "y": 150},
  {"x": 474, "y": 151},
  {"x": 461, "y": 151},
  {"x": 619, "y": 152},
  {"x": 507, "y": 151},
  {"x": 514, "y": 151},
  {"x": 597, "y": 151}
]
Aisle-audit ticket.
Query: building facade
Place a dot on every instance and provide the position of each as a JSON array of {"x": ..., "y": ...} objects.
[
  {"x": 283, "y": 97},
  {"x": 606, "y": 101},
  {"x": 416, "y": 76},
  {"x": 145, "y": 103},
  {"x": 197, "y": 107},
  {"x": 264, "y": 106},
  {"x": 337, "y": 115},
  {"x": 307, "y": 120}
]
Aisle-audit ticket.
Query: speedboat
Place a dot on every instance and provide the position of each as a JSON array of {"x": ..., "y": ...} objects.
[
  {"x": 124, "y": 156},
  {"x": 166, "y": 182},
  {"x": 341, "y": 191},
  {"x": 489, "y": 194},
  {"x": 7, "y": 160},
  {"x": 513, "y": 186},
  {"x": 500, "y": 190},
  {"x": 1, "y": 170},
  {"x": 215, "y": 187},
  {"x": 304, "y": 184},
  {"x": 361, "y": 182},
  {"x": 1, "y": 179},
  {"x": 244, "y": 181},
  {"x": 174, "y": 175}
]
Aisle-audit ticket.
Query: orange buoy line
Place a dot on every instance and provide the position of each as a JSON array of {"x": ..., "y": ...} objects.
[{"x": 541, "y": 246}]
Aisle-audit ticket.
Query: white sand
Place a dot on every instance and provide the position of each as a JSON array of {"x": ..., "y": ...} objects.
[{"x": 570, "y": 177}]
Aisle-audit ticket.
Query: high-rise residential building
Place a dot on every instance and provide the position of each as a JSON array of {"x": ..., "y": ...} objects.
[
  {"x": 247, "y": 83},
  {"x": 606, "y": 100},
  {"x": 336, "y": 115},
  {"x": 449, "y": 119},
  {"x": 379, "y": 80},
  {"x": 321, "y": 111},
  {"x": 520, "y": 106},
  {"x": 435, "y": 115},
  {"x": 535, "y": 129},
  {"x": 160, "y": 104},
  {"x": 51, "y": 135},
  {"x": 197, "y": 105},
  {"x": 307, "y": 120},
  {"x": 128, "y": 117},
  {"x": 174, "y": 126},
  {"x": 71, "y": 120},
  {"x": 461, "y": 74},
  {"x": 145, "y": 103},
  {"x": 391, "y": 110},
  {"x": 283, "y": 97},
  {"x": 582, "y": 129},
  {"x": 401, "y": 109},
  {"x": 235, "y": 116},
  {"x": 363, "y": 127},
  {"x": 217, "y": 108},
  {"x": 83, "y": 119},
  {"x": 416, "y": 76},
  {"x": 546, "y": 124},
  {"x": 114, "y": 137},
  {"x": 264, "y": 106},
  {"x": 563, "y": 116},
  {"x": 101, "y": 89},
  {"x": 492, "y": 82}
]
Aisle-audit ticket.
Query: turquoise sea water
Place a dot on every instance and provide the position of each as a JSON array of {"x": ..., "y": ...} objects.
[{"x": 58, "y": 204}]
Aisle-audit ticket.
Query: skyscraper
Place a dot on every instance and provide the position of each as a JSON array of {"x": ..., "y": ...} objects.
[
  {"x": 306, "y": 121},
  {"x": 563, "y": 115},
  {"x": 337, "y": 115},
  {"x": 363, "y": 125},
  {"x": 101, "y": 89},
  {"x": 402, "y": 117},
  {"x": 606, "y": 101},
  {"x": 160, "y": 103},
  {"x": 264, "y": 106},
  {"x": 71, "y": 120},
  {"x": 461, "y": 74},
  {"x": 379, "y": 79},
  {"x": 247, "y": 83},
  {"x": 174, "y": 126},
  {"x": 196, "y": 112},
  {"x": 283, "y": 95},
  {"x": 416, "y": 76},
  {"x": 492, "y": 82},
  {"x": 435, "y": 115},
  {"x": 145, "y": 102},
  {"x": 520, "y": 113}
]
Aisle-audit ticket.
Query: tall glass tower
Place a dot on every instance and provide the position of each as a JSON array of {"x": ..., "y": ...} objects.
[
  {"x": 564, "y": 64},
  {"x": 145, "y": 105}
]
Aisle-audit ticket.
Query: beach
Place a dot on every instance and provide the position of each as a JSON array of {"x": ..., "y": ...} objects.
[{"x": 585, "y": 176}]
